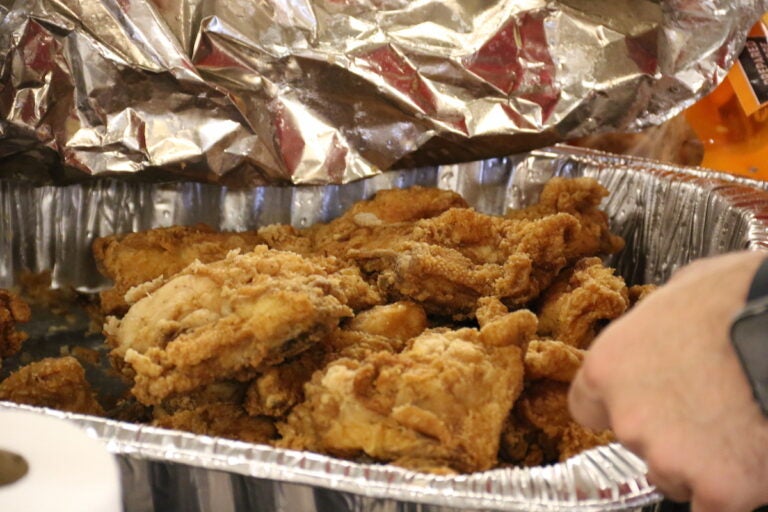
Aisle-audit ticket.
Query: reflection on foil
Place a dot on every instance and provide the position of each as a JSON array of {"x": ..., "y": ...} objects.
[{"x": 244, "y": 93}]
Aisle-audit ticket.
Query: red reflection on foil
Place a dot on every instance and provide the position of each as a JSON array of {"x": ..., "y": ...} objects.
[
  {"x": 287, "y": 138},
  {"x": 399, "y": 74},
  {"x": 517, "y": 61},
  {"x": 208, "y": 55}
]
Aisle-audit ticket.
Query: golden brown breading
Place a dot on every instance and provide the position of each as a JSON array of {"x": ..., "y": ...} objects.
[
  {"x": 58, "y": 383},
  {"x": 580, "y": 197},
  {"x": 135, "y": 258},
  {"x": 220, "y": 419},
  {"x": 438, "y": 404},
  {"x": 552, "y": 359},
  {"x": 226, "y": 320},
  {"x": 13, "y": 311},
  {"x": 280, "y": 387},
  {"x": 541, "y": 430},
  {"x": 381, "y": 328},
  {"x": 640, "y": 291},
  {"x": 582, "y": 299}
]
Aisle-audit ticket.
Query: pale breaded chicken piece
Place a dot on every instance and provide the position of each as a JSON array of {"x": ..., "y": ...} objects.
[
  {"x": 13, "y": 311},
  {"x": 438, "y": 405},
  {"x": 134, "y": 258},
  {"x": 221, "y": 420},
  {"x": 57, "y": 383},
  {"x": 580, "y": 197},
  {"x": 581, "y": 301},
  {"x": 229, "y": 319}
]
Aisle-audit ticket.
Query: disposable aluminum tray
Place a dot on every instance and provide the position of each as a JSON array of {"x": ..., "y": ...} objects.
[{"x": 668, "y": 216}]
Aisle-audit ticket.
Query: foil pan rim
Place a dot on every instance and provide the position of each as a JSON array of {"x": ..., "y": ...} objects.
[{"x": 471, "y": 491}]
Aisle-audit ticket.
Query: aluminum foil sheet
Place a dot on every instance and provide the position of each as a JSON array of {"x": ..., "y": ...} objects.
[
  {"x": 668, "y": 216},
  {"x": 244, "y": 93}
]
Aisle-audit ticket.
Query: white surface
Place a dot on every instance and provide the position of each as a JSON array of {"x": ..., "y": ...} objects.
[{"x": 68, "y": 471}]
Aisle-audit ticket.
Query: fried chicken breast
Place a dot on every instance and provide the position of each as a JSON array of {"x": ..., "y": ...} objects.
[
  {"x": 438, "y": 405},
  {"x": 135, "y": 258},
  {"x": 227, "y": 320}
]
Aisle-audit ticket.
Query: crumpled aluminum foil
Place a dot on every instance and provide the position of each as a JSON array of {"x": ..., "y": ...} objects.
[
  {"x": 243, "y": 93},
  {"x": 668, "y": 216}
]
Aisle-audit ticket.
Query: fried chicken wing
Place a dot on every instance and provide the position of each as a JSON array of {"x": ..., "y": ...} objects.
[
  {"x": 228, "y": 319},
  {"x": 13, "y": 311},
  {"x": 581, "y": 300},
  {"x": 58, "y": 383},
  {"x": 438, "y": 404},
  {"x": 135, "y": 258}
]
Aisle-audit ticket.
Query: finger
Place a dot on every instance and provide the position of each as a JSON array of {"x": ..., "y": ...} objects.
[
  {"x": 586, "y": 405},
  {"x": 674, "y": 489}
]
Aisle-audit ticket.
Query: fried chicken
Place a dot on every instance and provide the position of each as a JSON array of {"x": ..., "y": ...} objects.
[
  {"x": 222, "y": 420},
  {"x": 229, "y": 319},
  {"x": 582, "y": 299},
  {"x": 13, "y": 311},
  {"x": 553, "y": 360},
  {"x": 438, "y": 405},
  {"x": 278, "y": 388},
  {"x": 580, "y": 197},
  {"x": 58, "y": 383},
  {"x": 382, "y": 328},
  {"x": 541, "y": 430},
  {"x": 135, "y": 258}
]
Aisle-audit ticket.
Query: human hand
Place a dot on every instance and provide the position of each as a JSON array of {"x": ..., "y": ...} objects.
[{"x": 666, "y": 379}]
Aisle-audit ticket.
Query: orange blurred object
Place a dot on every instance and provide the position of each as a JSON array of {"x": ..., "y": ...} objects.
[{"x": 732, "y": 121}]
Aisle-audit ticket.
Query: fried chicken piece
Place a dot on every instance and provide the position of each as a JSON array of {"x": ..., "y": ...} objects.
[
  {"x": 580, "y": 197},
  {"x": 219, "y": 392},
  {"x": 134, "y": 258},
  {"x": 541, "y": 430},
  {"x": 582, "y": 299},
  {"x": 384, "y": 327},
  {"x": 553, "y": 360},
  {"x": 390, "y": 213},
  {"x": 448, "y": 262},
  {"x": 640, "y": 291},
  {"x": 439, "y": 405},
  {"x": 387, "y": 215},
  {"x": 225, "y": 320},
  {"x": 279, "y": 388},
  {"x": 221, "y": 420},
  {"x": 58, "y": 383},
  {"x": 13, "y": 311}
]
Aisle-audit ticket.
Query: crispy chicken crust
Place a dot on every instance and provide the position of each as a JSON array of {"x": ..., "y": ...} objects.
[
  {"x": 580, "y": 301},
  {"x": 13, "y": 311},
  {"x": 57, "y": 383},
  {"x": 405, "y": 330},
  {"x": 439, "y": 404},
  {"x": 227, "y": 320},
  {"x": 135, "y": 258}
]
